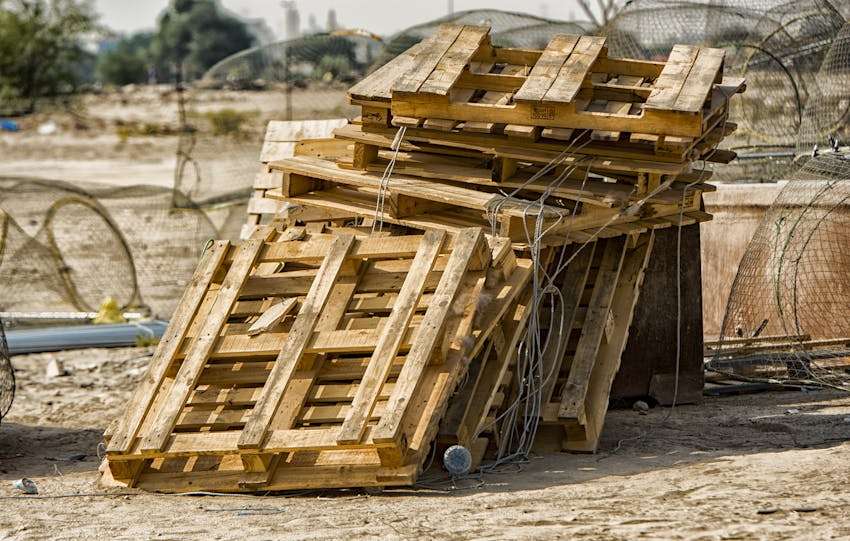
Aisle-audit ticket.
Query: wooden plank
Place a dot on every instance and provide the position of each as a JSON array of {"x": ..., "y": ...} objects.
[
  {"x": 190, "y": 369},
  {"x": 547, "y": 68},
  {"x": 572, "y": 74},
  {"x": 391, "y": 336},
  {"x": 411, "y": 186},
  {"x": 524, "y": 132},
  {"x": 427, "y": 58},
  {"x": 166, "y": 351},
  {"x": 668, "y": 85},
  {"x": 550, "y": 114},
  {"x": 465, "y": 248},
  {"x": 272, "y": 316},
  {"x": 378, "y": 85},
  {"x": 452, "y": 64},
  {"x": 575, "y": 389},
  {"x": 298, "y": 389},
  {"x": 315, "y": 249},
  {"x": 707, "y": 69},
  {"x": 561, "y": 134},
  {"x": 296, "y": 341}
]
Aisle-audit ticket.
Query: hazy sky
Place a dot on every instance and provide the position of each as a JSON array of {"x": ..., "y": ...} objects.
[{"x": 380, "y": 16}]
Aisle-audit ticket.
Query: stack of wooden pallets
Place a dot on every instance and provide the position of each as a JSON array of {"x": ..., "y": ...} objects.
[{"x": 377, "y": 310}]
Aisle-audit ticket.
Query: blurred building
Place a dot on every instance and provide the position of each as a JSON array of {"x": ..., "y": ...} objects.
[{"x": 293, "y": 21}]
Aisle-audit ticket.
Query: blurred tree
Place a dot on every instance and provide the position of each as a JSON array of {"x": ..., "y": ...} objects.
[
  {"x": 41, "y": 49},
  {"x": 130, "y": 62},
  {"x": 195, "y": 34}
]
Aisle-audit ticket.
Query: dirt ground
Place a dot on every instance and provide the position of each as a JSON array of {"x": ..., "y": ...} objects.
[{"x": 766, "y": 466}]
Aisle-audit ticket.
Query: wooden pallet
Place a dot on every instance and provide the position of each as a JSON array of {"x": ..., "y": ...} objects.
[
  {"x": 474, "y": 417},
  {"x": 600, "y": 289},
  {"x": 284, "y": 139},
  {"x": 426, "y": 203},
  {"x": 300, "y": 360},
  {"x": 456, "y": 75}
]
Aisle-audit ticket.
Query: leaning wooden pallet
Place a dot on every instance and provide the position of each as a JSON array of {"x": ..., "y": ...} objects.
[{"x": 331, "y": 370}]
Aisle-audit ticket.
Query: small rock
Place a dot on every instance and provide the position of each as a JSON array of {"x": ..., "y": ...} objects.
[
  {"x": 26, "y": 486},
  {"x": 791, "y": 411},
  {"x": 805, "y": 509},
  {"x": 55, "y": 369},
  {"x": 641, "y": 407},
  {"x": 76, "y": 457},
  {"x": 768, "y": 511}
]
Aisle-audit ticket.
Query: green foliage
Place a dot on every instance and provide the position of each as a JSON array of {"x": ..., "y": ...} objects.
[
  {"x": 194, "y": 34},
  {"x": 229, "y": 121},
  {"x": 333, "y": 67},
  {"x": 145, "y": 340},
  {"x": 41, "y": 49},
  {"x": 129, "y": 62}
]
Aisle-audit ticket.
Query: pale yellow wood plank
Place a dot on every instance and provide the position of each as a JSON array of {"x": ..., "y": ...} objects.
[
  {"x": 668, "y": 85},
  {"x": 547, "y": 67},
  {"x": 605, "y": 282},
  {"x": 427, "y": 58},
  {"x": 572, "y": 74},
  {"x": 452, "y": 64}
]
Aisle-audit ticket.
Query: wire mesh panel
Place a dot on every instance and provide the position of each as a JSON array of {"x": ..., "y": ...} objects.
[
  {"x": 785, "y": 51},
  {"x": 69, "y": 247},
  {"x": 786, "y": 314}
]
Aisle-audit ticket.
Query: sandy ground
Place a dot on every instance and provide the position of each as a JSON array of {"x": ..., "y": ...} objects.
[
  {"x": 87, "y": 145},
  {"x": 703, "y": 473}
]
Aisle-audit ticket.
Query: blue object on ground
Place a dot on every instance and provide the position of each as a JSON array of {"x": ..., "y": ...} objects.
[
  {"x": 81, "y": 336},
  {"x": 8, "y": 125}
]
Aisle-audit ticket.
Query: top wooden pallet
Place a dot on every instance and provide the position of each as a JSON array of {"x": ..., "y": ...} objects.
[{"x": 456, "y": 74}]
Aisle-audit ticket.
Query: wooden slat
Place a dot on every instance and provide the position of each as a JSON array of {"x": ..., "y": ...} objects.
[
  {"x": 430, "y": 329},
  {"x": 546, "y": 69},
  {"x": 706, "y": 70},
  {"x": 669, "y": 83},
  {"x": 166, "y": 351},
  {"x": 391, "y": 336},
  {"x": 378, "y": 85},
  {"x": 452, "y": 64},
  {"x": 190, "y": 369},
  {"x": 296, "y": 341},
  {"x": 315, "y": 249},
  {"x": 572, "y": 74},
  {"x": 427, "y": 58},
  {"x": 593, "y": 329}
]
